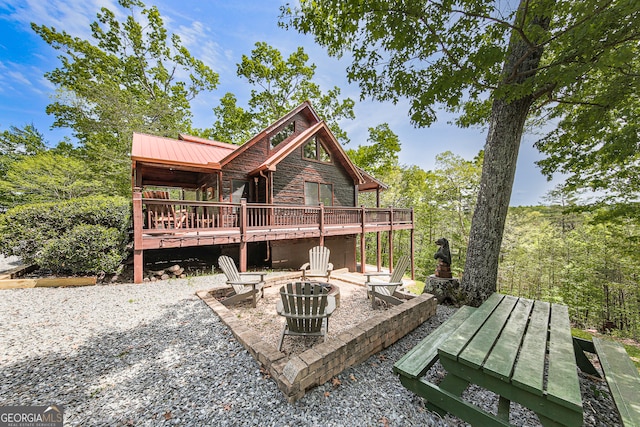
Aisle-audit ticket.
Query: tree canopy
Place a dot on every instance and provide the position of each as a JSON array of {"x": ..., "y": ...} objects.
[
  {"x": 494, "y": 63},
  {"x": 279, "y": 85},
  {"x": 131, "y": 76}
]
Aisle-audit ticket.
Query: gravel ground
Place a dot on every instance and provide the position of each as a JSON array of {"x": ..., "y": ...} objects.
[{"x": 155, "y": 354}]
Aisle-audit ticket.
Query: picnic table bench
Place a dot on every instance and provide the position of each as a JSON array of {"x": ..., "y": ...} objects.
[{"x": 520, "y": 349}]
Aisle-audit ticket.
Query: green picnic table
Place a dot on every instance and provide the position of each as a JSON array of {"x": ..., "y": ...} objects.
[{"x": 518, "y": 348}]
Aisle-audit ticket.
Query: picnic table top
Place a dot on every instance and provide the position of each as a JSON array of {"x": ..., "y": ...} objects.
[{"x": 519, "y": 348}]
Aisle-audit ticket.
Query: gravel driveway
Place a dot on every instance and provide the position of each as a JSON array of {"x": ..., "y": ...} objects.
[{"x": 154, "y": 354}]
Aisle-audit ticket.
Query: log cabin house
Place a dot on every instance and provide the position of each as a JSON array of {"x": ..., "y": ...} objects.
[{"x": 266, "y": 202}]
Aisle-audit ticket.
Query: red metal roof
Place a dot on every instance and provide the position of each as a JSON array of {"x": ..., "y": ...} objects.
[{"x": 189, "y": 151}]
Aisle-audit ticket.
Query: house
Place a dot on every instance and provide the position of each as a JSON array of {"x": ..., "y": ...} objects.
[{"x": 287, "y": 189}]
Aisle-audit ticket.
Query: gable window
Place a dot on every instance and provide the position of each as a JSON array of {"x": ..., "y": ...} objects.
[
  {"x": 316, "y": 193},
  {"x": 286, "y": 132},
  {"x": 314, "y": 150}
]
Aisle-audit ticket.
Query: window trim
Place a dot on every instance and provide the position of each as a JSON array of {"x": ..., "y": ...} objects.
[
  {"x": 318, "y": 142},
  {"x": 318, "y": 186},
  {"x": 282, "y": 131}
]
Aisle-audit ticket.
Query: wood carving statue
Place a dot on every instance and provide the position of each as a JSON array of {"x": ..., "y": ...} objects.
[{"x": 443, "y": 255}]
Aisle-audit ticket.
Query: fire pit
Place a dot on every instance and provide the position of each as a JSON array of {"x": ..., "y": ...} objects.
[{"x": 334, "y": 291}]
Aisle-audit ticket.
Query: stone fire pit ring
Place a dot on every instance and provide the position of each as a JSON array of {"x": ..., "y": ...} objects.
[{"x": 334, "y": 291}]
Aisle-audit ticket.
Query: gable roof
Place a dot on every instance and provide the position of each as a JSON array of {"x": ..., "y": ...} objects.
[
  {"x": 338, "y": 154},
  {"x": 191, "y": 152},
  {"x": 370, "y": 182},
  {"x": 305, "y": 107},
  {"x": 195, "y": 152}
]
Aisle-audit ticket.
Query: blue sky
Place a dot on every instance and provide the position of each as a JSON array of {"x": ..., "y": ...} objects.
[{"x": 219, "y": 33}]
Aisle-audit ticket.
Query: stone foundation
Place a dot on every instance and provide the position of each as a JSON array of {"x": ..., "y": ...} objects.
[{"x": 298, "y": 373}]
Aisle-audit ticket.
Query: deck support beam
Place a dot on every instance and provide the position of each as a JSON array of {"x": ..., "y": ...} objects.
[
  {"x": 138, "y": 222},
  {"x": 243, "y": 235}
]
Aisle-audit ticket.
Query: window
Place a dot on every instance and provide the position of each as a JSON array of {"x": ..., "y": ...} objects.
[
  {"x": 314, "y": 150},
  {"x": 323, "y": 156},
  {"x": 283, "y": 134},
  {"x": 310, "y": 149},
  {"x": 239, "y": 191},
  {"x": 315, "y": 193},
  {"x": 326, "y": 194}
]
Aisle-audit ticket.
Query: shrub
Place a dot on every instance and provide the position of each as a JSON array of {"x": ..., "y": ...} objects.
[
  {"x": 84, "y": 235},
  {"x": 84, "y": 248}
]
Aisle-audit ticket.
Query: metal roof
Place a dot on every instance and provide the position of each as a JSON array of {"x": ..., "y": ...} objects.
[{"x": 189, "y": 151}]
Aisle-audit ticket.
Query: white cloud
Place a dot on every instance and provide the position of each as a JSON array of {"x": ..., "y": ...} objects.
[{"x": 72, "y": 16}]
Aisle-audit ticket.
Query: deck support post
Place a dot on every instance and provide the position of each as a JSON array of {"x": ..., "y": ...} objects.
[
  {"x": 378, "y": 251},
  {"x": 243, "y": 235},
  {"x": 321, "y": 223},
  {"x": 412, "y": 245},
  {"x": 390, "y": 239},
  {"x": 363, "y": 249},
  {"x": 138, "y": 262}
]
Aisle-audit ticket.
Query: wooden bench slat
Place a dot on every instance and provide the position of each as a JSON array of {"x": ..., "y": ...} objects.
[
  {"x": 419, "y": 359},
  {"x": 476, "y": 352},
  {"x": 503, "y": 357},
  {"x": 529, "y": 372},
  {"x": 452, "y": 347},
  {"x": 623, "y": 379},
  {"x": 563, "y": 386}
]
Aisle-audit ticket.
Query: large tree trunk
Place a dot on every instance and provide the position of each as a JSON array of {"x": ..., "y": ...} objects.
[{"x": 500, "y": 155}]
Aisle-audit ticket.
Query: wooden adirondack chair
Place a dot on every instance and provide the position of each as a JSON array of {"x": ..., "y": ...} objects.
[
  {"x": 306, "y": 309},
  {"x": 385, "y": 290},
  {"x": 318, "y": 265},
  {"x": 242, "y": 288}
]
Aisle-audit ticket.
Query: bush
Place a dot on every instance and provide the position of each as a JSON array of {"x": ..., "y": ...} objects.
[
  {"x": 85, "y": 248},
  {"x": 84, "y": 235}
]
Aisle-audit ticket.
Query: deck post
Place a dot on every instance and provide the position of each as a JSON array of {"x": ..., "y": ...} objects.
[
  {"x": 243, "y": 235},
  {"x": 390, "y": 239},
  {"x": 138, "y": 262},
  {"x": 379, "y": 250},
  {"x": 412, "y": 245},
  {"x": 363, "y": 249},
  {"x": 321, "y": 223}
]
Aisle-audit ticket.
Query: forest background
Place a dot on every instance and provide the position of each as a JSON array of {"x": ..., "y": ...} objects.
[{"x": 133, "y": 76}]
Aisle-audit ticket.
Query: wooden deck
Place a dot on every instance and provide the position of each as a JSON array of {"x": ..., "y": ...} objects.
[{"x": 179, "y": 223}]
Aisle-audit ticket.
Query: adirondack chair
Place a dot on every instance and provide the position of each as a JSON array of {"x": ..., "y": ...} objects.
[
  {"x": 318, "y": 265},
  {"x": 161, "y": 214},
  {"x": 385, "y": 290},
  {"x": 242, "y": 288},
  {"x": 306, "y": 309}
]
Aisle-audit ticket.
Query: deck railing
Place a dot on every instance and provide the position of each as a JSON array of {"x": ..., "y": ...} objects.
[{"x": 162, "y": 215}]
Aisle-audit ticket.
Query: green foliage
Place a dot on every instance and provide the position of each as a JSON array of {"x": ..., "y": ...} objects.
[
  {"x": 280, "y": 85},
  {"x": 84, "y": 248},
  {"x": 595, "y": 142},
  {"x": 48, "y": 176},
  {"x": 85, "y": 235},
  {"x": 442, "y": 200},
  {"x": 15, "y": 143},
  {"x": 565, "y": 257},
  {"x": 124, "y": 79},
  {"x": 379, "y": 156},
  {"x": 571, "y": 61}
]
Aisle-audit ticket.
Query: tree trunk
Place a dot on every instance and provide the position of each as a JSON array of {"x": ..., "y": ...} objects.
[{"x": 500, "y": 155}]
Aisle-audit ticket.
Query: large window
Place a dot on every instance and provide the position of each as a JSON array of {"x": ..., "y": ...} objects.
[
  {"x": 283, "y": 134},
  {"x": 315, "y": 192},
  {"x": 314, "y": 150}
]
